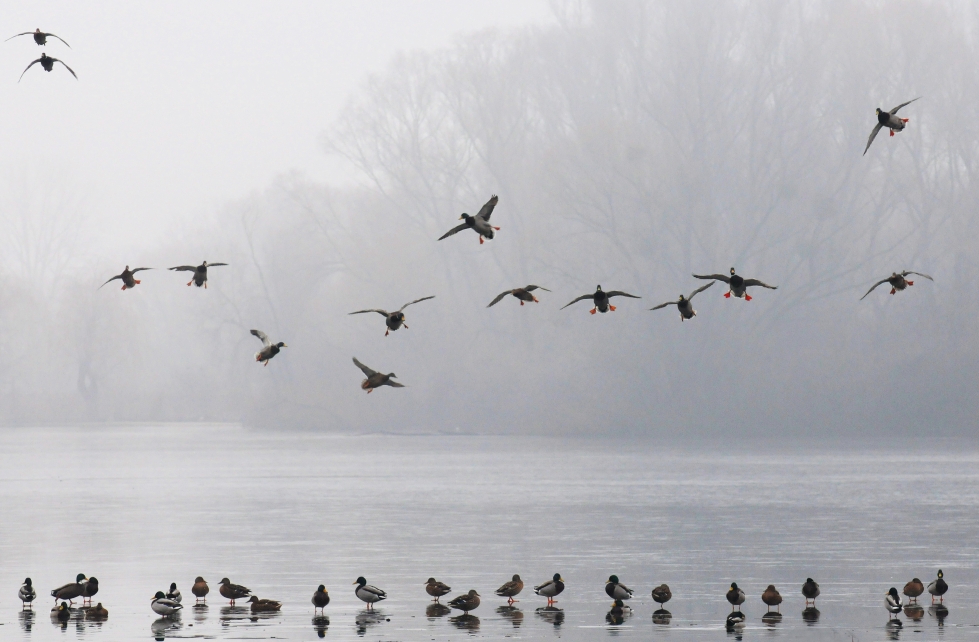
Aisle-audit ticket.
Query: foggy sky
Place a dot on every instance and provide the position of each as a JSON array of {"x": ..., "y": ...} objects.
[{"x": 631, "y": 144}]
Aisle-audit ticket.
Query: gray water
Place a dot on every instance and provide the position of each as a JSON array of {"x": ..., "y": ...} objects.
[{"x": 141, "y": 506}]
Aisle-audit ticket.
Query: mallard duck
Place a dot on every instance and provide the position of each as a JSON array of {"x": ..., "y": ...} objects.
[
  {"x": 162, "y": 606},
  {"x": 376, "y": 379},
  {"x": 367, "y": 593},
  {"x": 467, "y": 602},
  {"x": 200, "y": 589},
  {"x": 69, "y": 591},
  {"x": 97, "y": 612},
  {"x": 600, "y": 298},
  {"x": 90, "y": 587},
  {"x": 810, "y": 590},
  {"x": 737, "y": 285},
  {"x": 269, "y": 349},
  {"x": 615, "y": 590},
  {"x": 684, "y": 305},
  {"x": 128, "y": 282},
  {"x": 523, "y": 294},
  {"x": 551, "y": 588},
  {"x": 61, "y": 612},
  {"x": 200, "y": 272},
  {"x": 436, "y": 589},
  {"x": 263, "y": 605},
  {"x": 913, "y": 589},
  {"x": 893, "y": 601},
  {"x": 662, "y": 594},
  {"x": 771, "y": 597},
  {"x": 47, "y": 62},
  {"x": 396, "y": 319},
  {"x": 27, "y": 594},
  {"x": 479, "y": 223},
  {"x": 897, "y": 281},
  {"x": 616, "y": 614},
  {"x": 511, "y": 589},
  {"x": 735, "y": 596},
  {"x": 321, "y": 598},
  {"x": 174, "y": 593},
  {"x": 233, "y": 591},
  {"x": 890, "y": 120},
  {"x": 40, "y": 37},
  {"x": 938, "y": 588}
]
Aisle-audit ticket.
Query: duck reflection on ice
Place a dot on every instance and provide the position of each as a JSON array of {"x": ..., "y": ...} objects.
[
  {"x": 366, "y": 619},
  {"x": 893, "y": 628},
  {"x": 466, "y": 622},
  {"x": 320, "y": 624},
  {"x": 163, "y": 626},
  {"x": 617, "y": 613},
  {"x": 200, "y": 613},
  {"x": 662, "y": 616},
  {"x": 771, "y": 618},
  {"x": 27, "y": 620},
  {"x": 230, "y": 614},
  {"x": 436, "y": 610},
  {"x": 914, "y": 612},
  {"x": 511, "y": 613},
  {"x": 810, "y": 615},
  {"x": 551, "y": 614},
  {"x": 938, "y": 611}
]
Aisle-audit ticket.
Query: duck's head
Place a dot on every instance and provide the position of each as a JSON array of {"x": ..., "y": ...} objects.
[
  {"x": 473, "y": 593},
  {"x": 127, "y": 269},
  {"x": 732, "y": 271},
  {"x": 281, "y": 345},
  {"x": 392, "y": 375},
  {"x": 27, "y": 581},
  {"x": 159, "y": 596},
  {"x": 361, "y": 581},
  {"x": 465, "y": 217},
  {"x": 516, "y": 578},
  {"x": 321, "y": 588},
  {"x": 613, "y": 579},
  {"x": 400, "y": 316},
  {"x": 879, "y": 110},
  {"x": 199, "y": 579},
  {"x": 598, "y": 288},
  {"x": 892, "y": 592},
  {"x": 80, "y": 577},
  {"x": 557, "y": 577},
  {"x": 95, "y": 581},
  {"x": 682, "y": 298},
  {"x": 204, "y": 263},
  {"x": 253, "y": 599},
  {"x": 734, "y": 586},
  {"x": 809, "y": 580},
  {"x": 619, "y": 603},
  {"x": 224, "y": 580},
  {"x": 771, "y": 587},
  {"x": 43, "y": 56},
  {"x": 38, "y": 30},
  {"x": 63, "y": 606},
  {"x": 940, "y": 574},
  {"x": 173, "y": 586}
]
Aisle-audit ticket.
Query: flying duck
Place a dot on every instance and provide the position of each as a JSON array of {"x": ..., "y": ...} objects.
[
  {"x": 467, "y": 602},
  {"x": 511, "y": 589},
  {"x": 263, "y": 605},
  {"x": 97, "y": 612},
  {"x": 233, "y": 591},
  {"x": 479, "y": 223},
  {"x": 810, "y": 590},
  {"x": 200, "y": 272},
  {"x": 40, "y": 37},
  {"x": 47, "y": 62},
  {"x": 436, "y": 589},
  {"x": 892, "y": 601},
  {"x": 890, "y": 120},
  {"x": 738, "y": 285},
  {"x": 127, "y": 278},
  {"x": 89, "y": 588},
  {"x": 600, "y": 298},
  {"x": 268, "y": 350},
  {"x": 396, "y": 319},
  {"x": 200, "y": 589},
  {"x": 615, "y": 590},
  {"x": 897, "y": 281},
  {"x": 376, "y": 379},
  {"x": 771, "y": 597},
  {"x": 27, "y": 594},
  {"x": 69, "y": 591},
  {"x": 938, "y": 587},
  {"x": 684, "y": 305},
  {"x": 913, "y": 589},
  {"x": 174, "y": 593},
  {"x": 162, "y": 606},
  {"x": 735, "y": 596},
  {"x": 367, "y": 593},
  {"x": 320, "y": 598},
  {"x": 662, "y": 594},
  {"x": 524, "y": 294},
  {"x": 551, "y": 588}
]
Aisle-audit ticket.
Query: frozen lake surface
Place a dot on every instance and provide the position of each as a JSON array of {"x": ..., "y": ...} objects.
[{"x": 140, "y": 507}]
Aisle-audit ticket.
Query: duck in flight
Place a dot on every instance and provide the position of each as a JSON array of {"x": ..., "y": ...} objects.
[
  {"x": 200, "y": 272},
  {"x": 47, "y": 62},
  {"x": 684, "y": 304},
  {"x": 600, "y": 298},
  {"x": 40, "y": 37},
  {"x": 738, "y": 285},
  {"x": 396, "y": 319},
  {"x": 480, "y": 223},
  {"x": 890, "y": 120},
  {"x": 375, "y": 379},
  {"x": 268, "y": 351},
  {"x": 897, "y": 281},
  {"x": 523, "y": 294},
  {"x": 128, "y": 282}
]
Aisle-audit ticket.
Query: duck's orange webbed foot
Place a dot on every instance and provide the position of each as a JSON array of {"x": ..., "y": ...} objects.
[
  {"x": 612, "y": 308},
  {"x": 535, "y": 300},
  {"x": 727, "y": 295},
  {"x": 137, "y": 281},
  {"x": 496, "y": 228},
  {"x": 480, "y": 240},
  {"x": 387, "y": 332},
  {"x": 904, "y": 120},
  {"x": 124, "y": 287},
  {"x": 521, "y": 303},
  {"x": 893, "y": 290},
  {"x": 892, "y": 132},
  {"x": 593, "y": 310},
  {"x": 910, "y": 282},
  {"x": 189, "y": 282},
  {"x": 747, "y": 297}
]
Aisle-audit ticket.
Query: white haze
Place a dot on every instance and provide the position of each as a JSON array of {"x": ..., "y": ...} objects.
[{"x": 631, "y": 144}]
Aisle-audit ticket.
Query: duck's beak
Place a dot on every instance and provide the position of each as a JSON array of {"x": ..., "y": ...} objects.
[
  {"x": 285, "y": 345},
  {"x": 355, "y": 582},
  {"x": 461, "y": 217}
]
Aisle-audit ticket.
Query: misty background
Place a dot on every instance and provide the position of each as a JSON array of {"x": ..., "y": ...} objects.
[{"x": 321, "y": 151}]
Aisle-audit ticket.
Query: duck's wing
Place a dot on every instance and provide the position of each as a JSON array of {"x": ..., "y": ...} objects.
[
  {"x": 140, "y": 270},
  {"x": 454, "y": 230},
  {"x": 28, "y": 67},
  {"x": 907, "y": 272},
  {"x": 531, "y": 288},
  {"x": 621, "y": 293},
  {"x": 544, "y": 585},
  {"x": 581, "y": 298},
  {"x": 264, "y": 338},
  {"x": 487, "y": 209},
  {"x": 367, "y": 371},
  {"x": 424, "y": 298},
  {"x": 499, "y": 298},
  {"x": 509, "y": 586},
  {"x": 748, "y": 283},
  {"x": 59, "y": 38},
  {"x": 373, "y": 589},
  {"x": 210, "y": 265},
  {"x": 382, "y": 312},
  {"x": 716, "y": 277},
  {"x": 184, "y": 268},
  {"x": 663, "y": 305},
  {"x": 881, "y": 282},
  {"x": 26, "y": 33},
  {"x": 118, "y": 276},
  {"x": 394, "y": 384},
  {"x": 894, "y": 111},
  {"x": 699, "y": 290},
  {"x": 873, "y": 135},
  {"x": 76, "y": 78}
]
